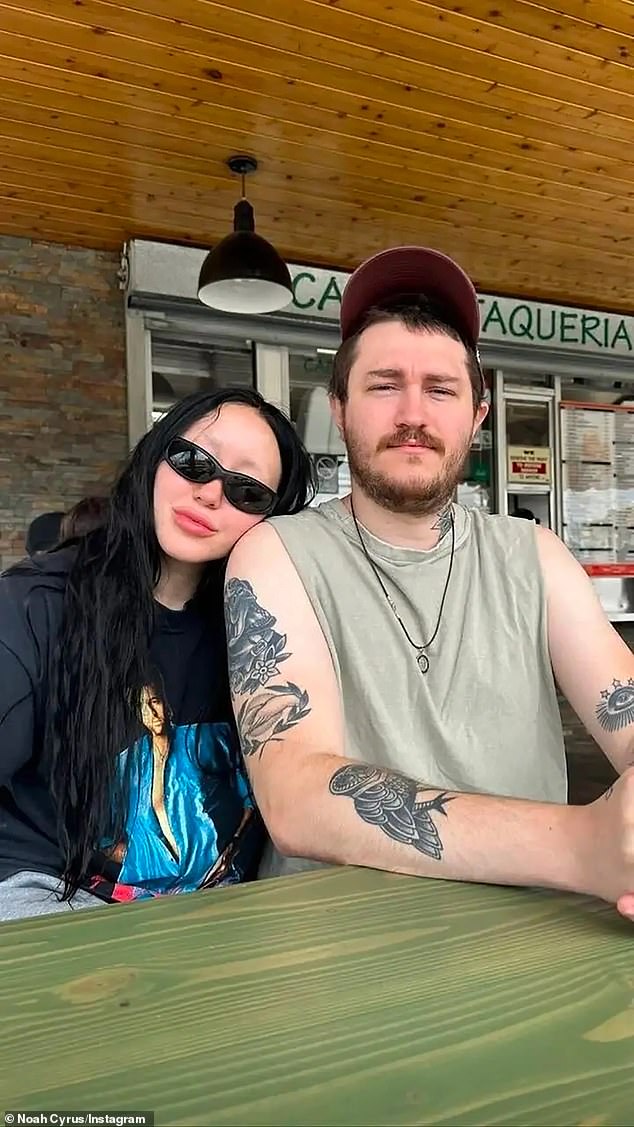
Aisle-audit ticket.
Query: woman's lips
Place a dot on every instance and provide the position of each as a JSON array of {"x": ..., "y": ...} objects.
[{"x": 192, "y": 523}]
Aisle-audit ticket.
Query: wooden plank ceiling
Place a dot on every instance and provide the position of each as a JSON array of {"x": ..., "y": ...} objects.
[{"x": 499, "y": 131}]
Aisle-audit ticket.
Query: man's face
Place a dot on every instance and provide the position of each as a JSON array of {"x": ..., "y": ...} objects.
[
  {"x": 153, "y": 714},
  {"x": 409, "y": 420}
]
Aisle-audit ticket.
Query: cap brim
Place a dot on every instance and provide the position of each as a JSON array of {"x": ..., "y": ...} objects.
[{"x": 411, "y": 270}]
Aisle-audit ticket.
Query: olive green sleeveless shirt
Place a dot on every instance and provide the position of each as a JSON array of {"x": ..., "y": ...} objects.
[{"x": 485, "y": 717}]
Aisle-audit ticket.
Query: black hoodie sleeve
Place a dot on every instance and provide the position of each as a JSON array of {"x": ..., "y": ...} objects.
[
  {"x": 25, "y": 637},
  {"x": 17, "y": 707}
]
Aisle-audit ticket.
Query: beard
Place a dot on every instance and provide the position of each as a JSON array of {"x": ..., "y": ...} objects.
[{"x": 415, "y": 495}]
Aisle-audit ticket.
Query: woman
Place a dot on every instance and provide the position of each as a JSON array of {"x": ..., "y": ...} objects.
[{"x": 119, "y": 771}]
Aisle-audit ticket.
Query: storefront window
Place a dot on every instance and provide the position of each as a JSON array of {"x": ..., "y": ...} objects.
[
  {"x": 181, "y": 368},
  {"x": 309, "y": 376},
  {"x": 527, "y": 381},
  {"x": 527, "y": 424},
  {"x": 476, "y": 489},
  {"x": 597, "y": 436},
  {"x": 529, "y": 454}
]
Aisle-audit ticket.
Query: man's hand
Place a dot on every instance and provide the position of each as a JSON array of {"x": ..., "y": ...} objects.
[{"x": 610, "y": 844}]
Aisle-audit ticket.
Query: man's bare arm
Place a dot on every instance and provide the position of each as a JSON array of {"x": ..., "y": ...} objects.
[
  {"x": 319, "y": 804},
  {"x": 592, "y": 664}
]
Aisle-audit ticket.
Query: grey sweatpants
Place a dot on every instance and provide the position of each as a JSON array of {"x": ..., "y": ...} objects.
[{"x": 37, "y": 894}]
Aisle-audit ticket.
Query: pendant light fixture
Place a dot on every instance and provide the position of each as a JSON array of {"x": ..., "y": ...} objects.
[{"x": 244, "y": 273}]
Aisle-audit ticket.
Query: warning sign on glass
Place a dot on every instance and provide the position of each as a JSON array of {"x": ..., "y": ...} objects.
[{"x": 529, "y": 465}]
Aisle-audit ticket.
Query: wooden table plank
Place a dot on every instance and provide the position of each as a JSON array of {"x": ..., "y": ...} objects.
[{"x": 339, "y": 997}]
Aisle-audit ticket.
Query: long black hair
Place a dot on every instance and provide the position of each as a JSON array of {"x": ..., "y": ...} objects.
[{"x": 101, "y": 661}]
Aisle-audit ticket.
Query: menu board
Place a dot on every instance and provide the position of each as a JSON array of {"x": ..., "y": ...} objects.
[
  {"x": 598, "y": 483},
  {"x": 624, "y": 471}
]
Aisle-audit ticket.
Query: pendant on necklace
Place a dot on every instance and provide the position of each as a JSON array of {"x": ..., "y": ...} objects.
[{"x": 422, "y": 661}]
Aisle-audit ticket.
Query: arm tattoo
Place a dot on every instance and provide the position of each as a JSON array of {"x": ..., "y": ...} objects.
[
  {"x": 256, "y": 650},
  {"x": 390, "y": 801},
  {"x": 615, "y": 710}
]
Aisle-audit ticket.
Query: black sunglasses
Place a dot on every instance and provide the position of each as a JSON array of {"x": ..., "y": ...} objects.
[{"x": 198, "y": 466}]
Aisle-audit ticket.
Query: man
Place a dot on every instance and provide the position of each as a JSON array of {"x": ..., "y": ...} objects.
[{"x": 393, "y": 656}]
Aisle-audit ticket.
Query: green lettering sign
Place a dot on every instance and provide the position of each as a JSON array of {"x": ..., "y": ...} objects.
[
  {"x": 501, "y": 317},
  {"x": 296, "y": 280},
  {"x": 589, "y": 325},
  {"x": 331, "y": 293},
  {"x": 621, "y": 334},
  {"x": 521, "y": 322},
  {"x": 568, "y": 328},
  {"x": 494, "y": 317},
  {"x": 546, "y": 332}
]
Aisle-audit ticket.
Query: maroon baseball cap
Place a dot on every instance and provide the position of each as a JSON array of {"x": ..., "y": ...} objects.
[{"x": 416, "y": 271}]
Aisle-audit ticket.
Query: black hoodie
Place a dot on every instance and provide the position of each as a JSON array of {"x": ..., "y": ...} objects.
[
  {"x": 31, "y": 604},
  {"x": 204, "y": 830}
]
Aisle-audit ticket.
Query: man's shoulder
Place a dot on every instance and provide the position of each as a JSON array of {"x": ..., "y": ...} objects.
[
  {"x": 497, "y": 525},
  {"x": 260, "y": 546},
  {"x": 511, "y": 531},
  {"x": 275, "y": 530},
  {"x": 279, "y": 542},
  {"x": 508, "y": 542},
  {"x": 312, "y": 515}
]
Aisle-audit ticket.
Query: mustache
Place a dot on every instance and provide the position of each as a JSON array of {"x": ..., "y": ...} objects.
[{"x": 412, "y": 434}]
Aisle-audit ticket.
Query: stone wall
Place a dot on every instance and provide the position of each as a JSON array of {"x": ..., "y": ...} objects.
[{"x": 63, "y": 419}]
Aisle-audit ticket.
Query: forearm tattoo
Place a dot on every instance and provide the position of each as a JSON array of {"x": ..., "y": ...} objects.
[
  {"x": 615, "y": 710},
  {"x": 392, "y": 802},
  {"x": 256, "y": 650}
]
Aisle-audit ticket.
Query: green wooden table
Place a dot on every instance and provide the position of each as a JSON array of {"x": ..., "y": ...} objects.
[{"x": 340, "y": 997}]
